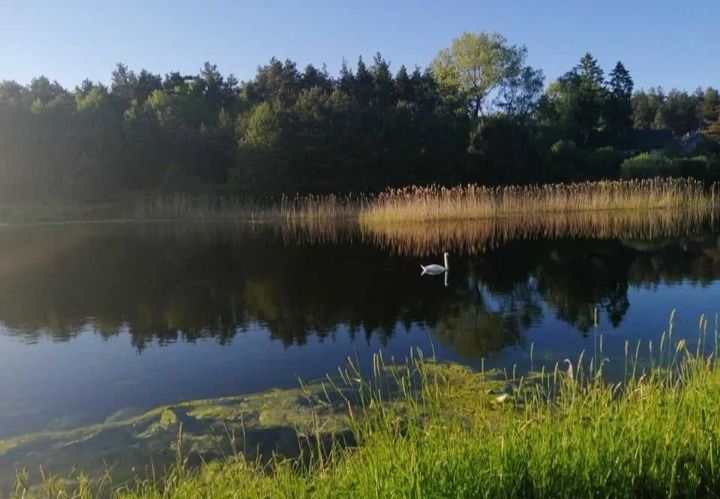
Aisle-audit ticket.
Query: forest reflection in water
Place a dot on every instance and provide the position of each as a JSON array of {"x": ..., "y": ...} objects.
[
  {"x": 170, "y": 281},
  {"x": 99, "y": 318}
]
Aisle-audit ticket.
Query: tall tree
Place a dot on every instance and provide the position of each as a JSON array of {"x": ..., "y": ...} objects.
[
  {"x": 383, "y": 85},
  {"x": 678, "y": 112},
  {"x": 403, "y": 85},
  {"x": 276, "y": 81},
  {"x": 619, "y": 108},
  {"x": 520, "y": 92},
  {"x": 708, "y": 107},
  {"x": 363, "y": 84},
  {"x": 476, "y": 65},
  {"x": 575, "y": 103}
]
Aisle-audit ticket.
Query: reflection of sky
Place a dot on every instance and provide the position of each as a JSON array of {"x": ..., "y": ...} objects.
[
  {"x": 492, "y": 303},
  {"x": 70, "y": 374},
  {"x": 646, "y": 320},
  {"x": 89, "y": 378}
]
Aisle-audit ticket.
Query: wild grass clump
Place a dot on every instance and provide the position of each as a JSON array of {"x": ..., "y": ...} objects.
[
  {"x": 476, "y": 201},
  {"x": 427, "y": 430}
]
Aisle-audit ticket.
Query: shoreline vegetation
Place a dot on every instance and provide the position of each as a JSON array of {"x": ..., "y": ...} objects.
[
  {"x": 479, "y": 202},
  {"x": 401, "y": 205},
  {"x": 436, "y": 203},
  {"x": 423, "y": 221},
  {"x": 424, "y": 429},
  {"x": 587, "y": 155}
]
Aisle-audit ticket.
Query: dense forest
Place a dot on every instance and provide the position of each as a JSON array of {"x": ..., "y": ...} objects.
[{"x": 478, "y": 113}]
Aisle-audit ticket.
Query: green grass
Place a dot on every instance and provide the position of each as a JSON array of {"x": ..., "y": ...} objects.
[{"x": 428, "y": 430}]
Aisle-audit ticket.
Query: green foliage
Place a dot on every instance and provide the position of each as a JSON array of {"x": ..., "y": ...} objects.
[
  {"x": 576, "y": 103},
  {"x": 677, "y": 110},
  {"x": 507, "y": 151},
  {"x": 263, "y": 127},
  {"x": 712, "y": 131},
  {"x": 563, "y": 160},
  {"x": 646, "y": 109},
  {"x": 649, "y": 164},
  {"x": 708, "y": 107},
  {"x": 477, "y": 114},
  {"x": 477, "y": 64},
  {"x": 603, "y": 162},
  {"x": 564, "y": 433},
  {"x": 618, "y": 111},
  {"x": 696, "y": 166}
]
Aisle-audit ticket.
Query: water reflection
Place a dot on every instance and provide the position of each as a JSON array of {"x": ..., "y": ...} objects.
[
  {"x": 166, "y": 283},
  {"x": 477, "y": 236},
  {"x": 98, "y": 318}
]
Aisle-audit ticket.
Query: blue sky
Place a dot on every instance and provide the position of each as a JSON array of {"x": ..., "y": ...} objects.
[{"x": 667, "y": 43}]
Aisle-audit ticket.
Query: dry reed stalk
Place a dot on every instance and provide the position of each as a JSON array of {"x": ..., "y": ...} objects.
[{"x": 475, "y": 201}]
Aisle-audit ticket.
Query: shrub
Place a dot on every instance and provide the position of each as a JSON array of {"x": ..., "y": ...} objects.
[
  {"x": 713, "y": 170},
  {"x": 697, "y": 166},
  {"x": 564, "y": 149},
  {"x": 563, "y": 161},
  {"x": 603, "y": 163},
  {"x": 649, "y": 164}
]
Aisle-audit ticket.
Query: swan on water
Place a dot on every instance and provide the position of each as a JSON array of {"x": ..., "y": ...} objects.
[{"x": 434, "y": 268}]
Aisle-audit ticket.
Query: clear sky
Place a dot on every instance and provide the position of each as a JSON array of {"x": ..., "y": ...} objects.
[{"x": 662, "y": 42}]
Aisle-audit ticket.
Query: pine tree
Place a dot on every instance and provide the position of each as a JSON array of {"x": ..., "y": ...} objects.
[
  {"x": 590, "y": 73},
  {"x": 383, "y": 85},
  {"x": 363, "y": 87},
  {"x": 346, "y": 81},
  {"x": 403, "y": 85},
  {"x": 619, "y": 107}
]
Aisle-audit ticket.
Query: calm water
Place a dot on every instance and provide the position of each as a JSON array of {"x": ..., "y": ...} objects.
[{"x": 101, "y": 318}]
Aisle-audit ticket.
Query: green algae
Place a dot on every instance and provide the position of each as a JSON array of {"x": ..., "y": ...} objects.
[
  {"x": 129, "y": 446},
  {"x": 255, "y": 425}
]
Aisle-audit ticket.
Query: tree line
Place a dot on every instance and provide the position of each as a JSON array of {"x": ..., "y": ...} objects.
[{"x": 477, "y": 113}]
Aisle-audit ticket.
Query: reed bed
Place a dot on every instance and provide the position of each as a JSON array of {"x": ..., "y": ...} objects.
[
  {"x": 213, "y": 207},
  {"x": 476, "y": 201},
  {"x": 439, "y": 203},
  {"x": 426, "y": 430},
  {"x": 472, "y": 218}
]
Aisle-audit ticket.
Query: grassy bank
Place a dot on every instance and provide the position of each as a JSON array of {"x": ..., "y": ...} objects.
[{"x": 443, "y": 431}]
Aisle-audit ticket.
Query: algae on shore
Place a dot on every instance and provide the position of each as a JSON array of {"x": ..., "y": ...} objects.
[
  {"x": 255, "y": 425},
  {"x": 258, "y": 426}
]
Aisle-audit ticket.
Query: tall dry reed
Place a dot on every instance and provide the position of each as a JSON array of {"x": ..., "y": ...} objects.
[
  {"x": 211, "y": 206},
  {"x": 476, "y": 201}
]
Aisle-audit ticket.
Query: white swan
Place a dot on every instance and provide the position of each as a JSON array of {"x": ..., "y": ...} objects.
[{"x": 434, "y": 268}]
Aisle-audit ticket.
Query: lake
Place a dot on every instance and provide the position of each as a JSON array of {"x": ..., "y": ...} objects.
[{"x": 101, "y": 318}]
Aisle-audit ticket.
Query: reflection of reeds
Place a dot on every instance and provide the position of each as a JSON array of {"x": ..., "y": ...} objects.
[
  {"x": 474, "y": 201},
  {"x": 425, "y": 220},
  {"x": 457, "y": 236},
  {"x": 422, "y": 239}
]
